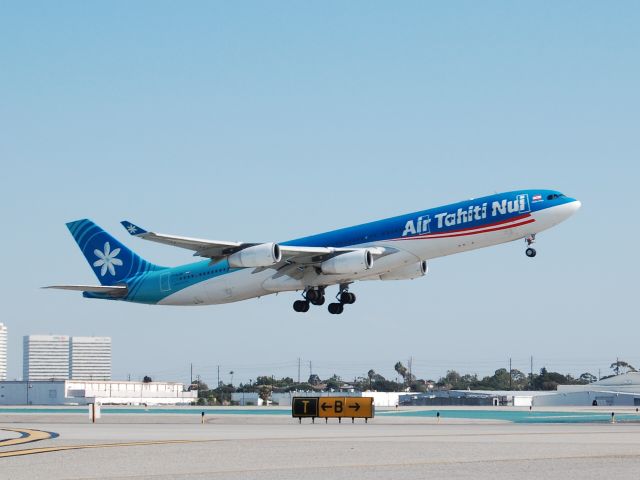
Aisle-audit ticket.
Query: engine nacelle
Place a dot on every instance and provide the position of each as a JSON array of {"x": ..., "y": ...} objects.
[
  {"x": 353, "y": 262},
  {"x": 263, "y": 255},
  {"x": 408, "y": 272}
]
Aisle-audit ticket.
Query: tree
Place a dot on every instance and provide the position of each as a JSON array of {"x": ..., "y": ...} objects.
[
  {"x": 264, "y": 392},
  {"x": 500, "y": 379},
  {"x": 371, "y": 373},
  {"x": 222, "y": 394},
  {"x": 402, "y": 371},
  {"x": 620, "y": 366},
  {"x": 264, "y": 380},
  {"x": 147, "y": 379},
  {"x": 519, "y": 380},
  {"x": 231, "y": 382},
  {"x": 199, "y": 385},
  {"x": 550, "y": 380},
  {"x": 451, "y": 380},
  {"x": 333, "y": 383},
  {"x": 586, "y": 378}
]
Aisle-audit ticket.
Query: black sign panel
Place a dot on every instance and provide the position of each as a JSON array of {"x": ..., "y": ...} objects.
[{"x": 304, "y": 407}]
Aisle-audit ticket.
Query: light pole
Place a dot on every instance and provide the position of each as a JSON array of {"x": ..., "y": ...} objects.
[{"x": 28, "y": 385}]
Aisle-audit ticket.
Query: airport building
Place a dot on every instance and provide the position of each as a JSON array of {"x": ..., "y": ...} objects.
[
  {"x": 3, "y": 352},
  {"x": 60, "y": 357},
  {"x": 619, "y": 390},
  {"x": 72, "y": 392},
  {"x": 45, "y": 357},
  {"x": 90, "y": 358}
]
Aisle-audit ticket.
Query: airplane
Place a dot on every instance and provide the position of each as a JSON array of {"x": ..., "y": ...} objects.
[{"x": 395, "y": 248}]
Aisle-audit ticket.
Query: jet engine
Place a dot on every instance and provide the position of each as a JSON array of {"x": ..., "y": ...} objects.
[
  {"x": 263, "y": 255},
  {"x": 408, "y": 272},
  {"x": 353, "y": 262}
]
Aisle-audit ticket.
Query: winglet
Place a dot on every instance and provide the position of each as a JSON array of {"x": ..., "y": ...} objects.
[{"x": 133, "y": 229}]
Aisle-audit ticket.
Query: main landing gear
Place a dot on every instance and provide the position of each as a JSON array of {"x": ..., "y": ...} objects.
[
  {"x": 313, "y": 296},
  {"x": 316, "y": 296},
  {"x": 344, "y": 297},
  {"x": 530, "y": 251}
]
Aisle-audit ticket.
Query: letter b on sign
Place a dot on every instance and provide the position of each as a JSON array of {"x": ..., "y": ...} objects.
[{"x": 338, "y": 406}]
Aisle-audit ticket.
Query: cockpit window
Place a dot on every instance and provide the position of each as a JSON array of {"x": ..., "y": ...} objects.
[{"x": 553, "y": 196}]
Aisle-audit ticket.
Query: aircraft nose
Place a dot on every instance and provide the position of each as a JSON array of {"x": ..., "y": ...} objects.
[
  {"x": 575, "y": 206},
  {"x": 568, "y": 209}
]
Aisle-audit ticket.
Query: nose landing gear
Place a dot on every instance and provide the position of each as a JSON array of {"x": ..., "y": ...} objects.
[{"x": 530, "y": 251}]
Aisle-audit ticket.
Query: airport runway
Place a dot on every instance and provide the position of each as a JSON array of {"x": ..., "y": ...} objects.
[{"x": 275, "y": 447}]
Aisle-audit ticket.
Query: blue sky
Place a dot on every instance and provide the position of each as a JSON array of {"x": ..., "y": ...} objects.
[{"x": 262, "y": 121}]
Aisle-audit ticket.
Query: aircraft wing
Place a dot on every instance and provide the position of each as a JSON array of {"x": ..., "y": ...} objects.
[
  {"x": 213, "y": 249},
  {"x": 216, "y": 250}
]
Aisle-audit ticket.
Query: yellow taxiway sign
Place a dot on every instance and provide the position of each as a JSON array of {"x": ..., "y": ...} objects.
[{"x": 332, "y": 407}]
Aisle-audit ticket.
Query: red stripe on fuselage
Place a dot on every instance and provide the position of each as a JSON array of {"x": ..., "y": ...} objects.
[
  {"x": 476, "y": 230},
  {"x": 481, "y": 227},
  {"x": 493, "y": 224}
]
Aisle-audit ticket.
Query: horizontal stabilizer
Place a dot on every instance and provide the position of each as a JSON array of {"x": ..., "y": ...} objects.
[{"x": 115, "y": 290}]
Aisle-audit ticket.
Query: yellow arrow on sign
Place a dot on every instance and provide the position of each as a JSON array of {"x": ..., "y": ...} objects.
[{"x": 346, "y": 407}]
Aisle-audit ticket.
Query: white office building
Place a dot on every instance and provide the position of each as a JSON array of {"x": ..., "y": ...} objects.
[
  {"x": 90, "y": 358},
  {"x": 60, "y": 357},
  {"x": 3, "y": 352},
  {"x": 45, "y": 357}
]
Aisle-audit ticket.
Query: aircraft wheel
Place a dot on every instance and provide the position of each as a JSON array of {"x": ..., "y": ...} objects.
[
  {"x": 301, "y": 306},
  {"x": 336, "y": 308},
  {"x": 319, "y": 301},
  {"x": 347, "y": 298},
  {"x": 530, "y": 252}
]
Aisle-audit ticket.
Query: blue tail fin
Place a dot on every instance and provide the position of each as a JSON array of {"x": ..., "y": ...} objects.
[{"x": 110, "y": 260}]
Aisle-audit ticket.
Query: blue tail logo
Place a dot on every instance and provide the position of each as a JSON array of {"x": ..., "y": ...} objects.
[{"x": 111, "y": 261}]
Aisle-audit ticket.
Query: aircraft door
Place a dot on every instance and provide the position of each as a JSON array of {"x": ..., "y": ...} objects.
[{"x": 165, "y": 282}]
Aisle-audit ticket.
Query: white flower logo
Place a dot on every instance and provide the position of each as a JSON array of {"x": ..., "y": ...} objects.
[
  {"x": 107, "y": 259},
  {"x": 132, "y": 229}
]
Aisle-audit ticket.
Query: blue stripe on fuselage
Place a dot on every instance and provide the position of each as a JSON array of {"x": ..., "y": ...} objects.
[{"x": 394, "y": 227}]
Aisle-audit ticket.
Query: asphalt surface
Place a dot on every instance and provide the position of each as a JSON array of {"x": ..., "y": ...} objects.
[{"x": 274, "y": 447}]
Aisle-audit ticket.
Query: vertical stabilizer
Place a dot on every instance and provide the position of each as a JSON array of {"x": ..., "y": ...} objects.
[{"x": 110, "y": 260}]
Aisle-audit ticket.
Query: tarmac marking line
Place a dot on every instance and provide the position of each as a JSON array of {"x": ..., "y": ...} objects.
[
  {"x": 27, "y": 435},
  {"x": 33, "y": 451}
]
